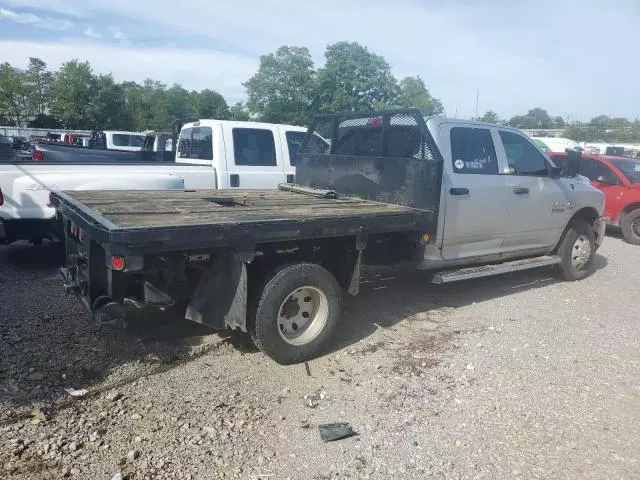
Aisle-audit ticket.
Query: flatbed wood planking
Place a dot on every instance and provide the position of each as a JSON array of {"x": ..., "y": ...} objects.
[{"x": 140, "y": 209}]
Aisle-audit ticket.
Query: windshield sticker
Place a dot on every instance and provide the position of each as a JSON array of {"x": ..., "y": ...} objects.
[{"x": 459, "y": 164}]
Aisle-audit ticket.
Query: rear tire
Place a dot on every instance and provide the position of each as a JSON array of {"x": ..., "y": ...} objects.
[
  {"x": 577, "y": 248},
  {"x": 296, "y": 313},
  {"x": 631, "y": 227}
]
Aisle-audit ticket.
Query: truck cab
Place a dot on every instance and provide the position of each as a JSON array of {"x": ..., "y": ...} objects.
[
  {"x": 497, "y": 196},
  {"x": 116, "y": 140},
  {"x": 244, "y": 155},
  {"x": 501, "y": 197}
]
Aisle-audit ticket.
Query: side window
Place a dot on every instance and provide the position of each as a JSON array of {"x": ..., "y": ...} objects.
[
  {"x": 254, "y": 147},
  {"x": 559, "y": 160},
  {"x": 523, "y": 157},
  {"x": 473, "y": 151},
  {"x": 294, "y": 142},
  {"x": 593, "y": 170},
  {"x": 121, "y": 140},
  {"x": 196, "y": 143}
]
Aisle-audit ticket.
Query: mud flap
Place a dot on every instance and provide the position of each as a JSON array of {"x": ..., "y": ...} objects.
[{"x": 220, "y": 299}]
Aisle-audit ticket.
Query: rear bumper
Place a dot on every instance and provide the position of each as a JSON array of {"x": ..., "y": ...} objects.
[
  {"x": 103, "y": 311},
  {"x": 599, "y": 228}
]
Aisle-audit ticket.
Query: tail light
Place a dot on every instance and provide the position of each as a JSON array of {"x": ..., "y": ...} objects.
[
  {"x": 117, "y": 263},
  {"x": 76, "y": 231},
  {"x": 36, "y": 156}
]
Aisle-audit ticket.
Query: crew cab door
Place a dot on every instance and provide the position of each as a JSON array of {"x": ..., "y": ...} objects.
[
  {"x": 539, "y": 205},
  {"x": 291, "y": 141},
  {"x": 254, "y": 157},
  {"x": 475, "y": 195}
]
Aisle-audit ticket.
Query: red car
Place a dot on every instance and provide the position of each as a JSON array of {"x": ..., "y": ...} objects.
[{"x": 619, "y": 179}]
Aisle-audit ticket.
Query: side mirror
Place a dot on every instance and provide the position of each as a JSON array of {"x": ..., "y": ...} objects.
[
  {"x": 555, "y": 171},
  {"x": 574, "y": 158}
]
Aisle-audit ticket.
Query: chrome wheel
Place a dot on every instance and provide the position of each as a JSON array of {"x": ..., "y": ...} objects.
[
  {"x": 635, "y": 227},
  {"x": 581, "y": 252},
  {"x": 303, "y": 315}
]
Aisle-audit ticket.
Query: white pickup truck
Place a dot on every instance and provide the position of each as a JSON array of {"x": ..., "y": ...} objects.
[{"x": 211, "y": 154}]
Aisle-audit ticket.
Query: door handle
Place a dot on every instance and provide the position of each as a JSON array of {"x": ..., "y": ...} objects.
[
  {"x": 234, "y": 180},
  {"x": 459, "y": 191},
  {"x": 520, "y": 190}
]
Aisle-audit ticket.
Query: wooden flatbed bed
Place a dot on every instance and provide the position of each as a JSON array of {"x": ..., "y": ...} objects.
[{"x": 152, "y": 221}]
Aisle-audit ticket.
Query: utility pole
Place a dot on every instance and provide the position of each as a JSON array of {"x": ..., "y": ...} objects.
[{"x": 477, "y": 101}]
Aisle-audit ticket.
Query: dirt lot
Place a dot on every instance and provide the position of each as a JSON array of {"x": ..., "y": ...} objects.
[{"x": 521, "y": 376}]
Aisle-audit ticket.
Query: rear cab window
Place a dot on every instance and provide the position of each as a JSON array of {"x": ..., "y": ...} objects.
[
  {"x": 254, "y": 147},
  {"x": 294, "y": 142},
  {"x": 473, "y": 151},
  {"x": 196, "y": 143}
]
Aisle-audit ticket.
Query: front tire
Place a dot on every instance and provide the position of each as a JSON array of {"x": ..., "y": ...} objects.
[
  {"x": 631, "y": 227},
  {"x": 576, "y": 250},
  {"x": 296, "y": 313}
]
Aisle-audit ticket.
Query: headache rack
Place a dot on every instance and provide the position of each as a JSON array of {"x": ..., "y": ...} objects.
[{"x": 387, "y": 156}]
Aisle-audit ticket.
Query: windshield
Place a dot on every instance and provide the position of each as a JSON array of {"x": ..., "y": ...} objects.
[{"x": 629, "y": 168}]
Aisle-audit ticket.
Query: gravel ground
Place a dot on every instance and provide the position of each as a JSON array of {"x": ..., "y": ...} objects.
[{"x": 520, "y": 376}]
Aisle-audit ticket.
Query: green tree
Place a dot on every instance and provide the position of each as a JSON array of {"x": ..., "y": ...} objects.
[
  {"x": 353, "y": 79},
  {"x": 6, "y": 122},
  {"x": 39, "y": 80},
  {"x": 490, "y": 117},
  {"x": 14, "y": 95},
  {"x": 71, "y": 94},
  {"x": 210, "y": 104},
  {"x": 108, "y": 107},
  {"x": 584, "y": 132},
  {"x": 414, "y": 94},
  {"x": 42, "y": 120},
  {"x": 180, "y": 104},
  {"x": 137, "y": 109},
  {"x": 239, "y": 113},
  {"x": 558, "y": 122},
  {"x": 601, "y": 121},
  {"x": 620, "y": 123},
  {"x": 535, "y": 118},
  {"x": 283, "y": 88}
]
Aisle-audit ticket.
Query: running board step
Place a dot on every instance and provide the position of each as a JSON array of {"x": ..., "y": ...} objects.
[{"x": 468, "y": 273}]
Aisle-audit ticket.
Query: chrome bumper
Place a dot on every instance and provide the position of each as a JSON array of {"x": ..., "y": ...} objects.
[{"x": 599, "y": 228}]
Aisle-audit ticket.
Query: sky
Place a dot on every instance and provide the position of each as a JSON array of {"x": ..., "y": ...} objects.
[{"x": 576, "y": 58}]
